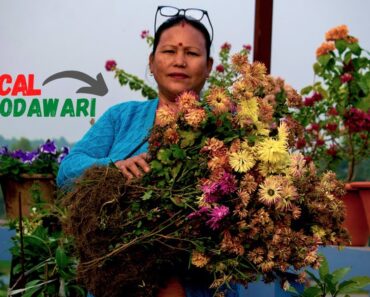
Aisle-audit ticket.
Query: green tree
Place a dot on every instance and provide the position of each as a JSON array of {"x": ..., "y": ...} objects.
[{"x": 23, "y": 144}]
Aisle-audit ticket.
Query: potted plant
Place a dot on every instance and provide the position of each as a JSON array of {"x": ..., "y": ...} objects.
[
  {"x": 42, "y": 255},
  {"x": 29, "y": 174},
  {"x": 328, "y": 283},
  {"x": 336, "y": 116}
]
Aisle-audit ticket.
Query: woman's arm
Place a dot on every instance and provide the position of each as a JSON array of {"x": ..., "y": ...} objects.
[{"x": 92, "y": 149}]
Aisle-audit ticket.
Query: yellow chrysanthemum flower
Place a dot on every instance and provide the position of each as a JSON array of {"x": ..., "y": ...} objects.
[
  {"x": 198, "y": 259},
  {"x": 242, "y": 161},
  {"x": 318, "y": 231},
  {"x": 261, "y": 129},
  {"x": 247, "y": 110},
  {"x": 283, "y": 132},
  {"x": 274, "y": 150},
  {"x": 266, "y": 169},
  {"x": 270, "y": 191}
]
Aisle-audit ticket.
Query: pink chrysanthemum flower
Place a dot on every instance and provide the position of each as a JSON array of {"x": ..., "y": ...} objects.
[{"x": 216, "y": 216}]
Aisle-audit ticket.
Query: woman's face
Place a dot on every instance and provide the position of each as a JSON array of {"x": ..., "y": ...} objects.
[{"x": 180, "y": 61}]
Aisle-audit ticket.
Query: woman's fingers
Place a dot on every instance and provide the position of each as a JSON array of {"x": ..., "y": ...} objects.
[{"x": 134, "y": 166}]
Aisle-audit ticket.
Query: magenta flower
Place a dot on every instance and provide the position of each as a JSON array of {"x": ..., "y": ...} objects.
[
  {"x": 226, "y": 46},
  {"x": 210, "y": 190},
  {"x": 301, "y": 143},
  {"x": 247, "y": 47},
  {"x": 346, "y": 77},
  {"x": 332, "y": 127},
  {"x": 216, "y": 215},
  {"x": 220, "y": 68},
  {"x": 199, "y": 213},
  {"x": 227, "y": 184},
  {"x": 308, "y": 101},
  {"x": 110, "y": 65},
  {"x": 144, "y": 34}
]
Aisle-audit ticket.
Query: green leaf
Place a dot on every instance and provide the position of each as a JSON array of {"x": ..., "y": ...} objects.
[
  {"x": 61, "y": 258},
  {"x": 30, "y": 292},
  {"x": 359, "y": 282},
  {"x": 317, "y": 68},
  {"x": 347, "y": 57},
  {"x": 312, "y": 292},
  {"x": 324, "y": 59},
  {"x": 156, "y": 165},
  {"x": 147, "y": 195},
  {"x": 178, "y": 153},
  {"x": 306, "y": 90},
  {"x": 324, "y": 268},
  {"x": 355, "y": 48},
  {"x": 314, "y": 277},
  {"x": 341, "y": 45},
  {"x": 164, "y": 156},
  {"x": 363, "y": 84},
  {"x": 177, "y": 201},
  {"x": 175, "y": 170},
  {"x": 340, "y": 273},
  {"x": 187, "y": 138}
]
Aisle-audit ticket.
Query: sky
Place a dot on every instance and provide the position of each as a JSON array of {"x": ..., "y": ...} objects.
[{"x": 43, "y": 37}]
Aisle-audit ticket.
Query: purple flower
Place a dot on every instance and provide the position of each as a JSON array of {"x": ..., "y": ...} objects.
[
  {"x": 199, "y": 213},
  {"x": 48, "y": 147},
  {"x": 29, "y": 157},
  {"x": 216, "y": 215},
  {"x": 4, "y": 151},
  {"x": 227, "y": 184},
  {"x": 64, "y": 150},
  {"x": 25, "y": 157},
  {"x": 18, "y": 154}
]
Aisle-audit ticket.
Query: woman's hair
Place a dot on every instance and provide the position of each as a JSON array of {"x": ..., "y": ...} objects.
[{"x": 176, "y": 20}]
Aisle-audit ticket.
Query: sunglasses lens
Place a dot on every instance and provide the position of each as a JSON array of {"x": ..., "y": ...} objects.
[
  {"x": 169, "y": 11},
  {"x": 194, "y": 13}
]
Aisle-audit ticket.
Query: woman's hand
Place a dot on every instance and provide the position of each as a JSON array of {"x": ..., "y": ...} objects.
[{"x": 134, "y": 167}]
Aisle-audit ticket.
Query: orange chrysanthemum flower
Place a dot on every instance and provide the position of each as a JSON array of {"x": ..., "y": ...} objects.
[
  {"x": 325, "y": 48},
  {"x": 213, "y": 145},
  {"x": 198, "y": 259},
  {"x": 187, "y": 100},
  {"x": 241, "y": 90},
  {"x": 218, "y": 100},
  {"x": 340, "y": 32},
  {"x": 265, "y": 111},
  {"x": 165, "y": 116},
  {"x": 194, "y": 117},
  {"x": 171, "y": 136}
]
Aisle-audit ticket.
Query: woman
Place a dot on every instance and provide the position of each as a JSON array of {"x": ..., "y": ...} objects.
[{"x": 180, "y": 61}]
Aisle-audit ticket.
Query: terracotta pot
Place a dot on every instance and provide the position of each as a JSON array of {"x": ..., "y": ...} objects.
[
  {"x": 45, "y": 183},
  {"x": 173, "y": 289},
  {"x": 357, "y": 201}
]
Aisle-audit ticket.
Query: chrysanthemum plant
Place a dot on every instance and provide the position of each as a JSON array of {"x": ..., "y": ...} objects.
[
  {"x": 44, "y": 160},
  {"x": 223, "y": 165},
  {"x": 336, "y": 113}
]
